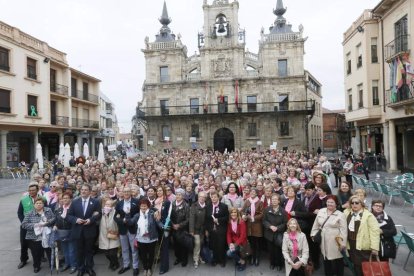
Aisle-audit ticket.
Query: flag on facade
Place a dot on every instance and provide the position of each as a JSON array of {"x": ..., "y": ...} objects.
[
  {"x": 236, "y": 96},
  {"x": 400, "y": 72},
  {"x": 221, "y": 94}
]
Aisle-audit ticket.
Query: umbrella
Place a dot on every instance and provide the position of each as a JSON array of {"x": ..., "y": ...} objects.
[
  {"x": 85, "y": 150},
  {"x": 39, "y": 155},
  {"x": 66, "y": 155},
  {"x": 101, "y": 155},
  {"x": 61, "y": 151},
  {"x": 54, "y": 256},
  {"x": 347, "y": 261},
  {"x": 76, "y": 153}
]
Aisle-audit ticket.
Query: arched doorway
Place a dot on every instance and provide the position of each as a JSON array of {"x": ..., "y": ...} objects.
[{"x": 224, "y": 139}]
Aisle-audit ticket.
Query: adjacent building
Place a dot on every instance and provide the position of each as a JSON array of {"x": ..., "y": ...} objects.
[
  {"x": 335, "y": 131},
  {"x": 108, "y": 123},
  {"x": 225, "y": 97},
  {"x": 42, "y": 99},
  {"x": 379, "y": 84}
]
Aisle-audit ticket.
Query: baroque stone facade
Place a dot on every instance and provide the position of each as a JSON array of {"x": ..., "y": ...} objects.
[{"x": 225, "y": 96}]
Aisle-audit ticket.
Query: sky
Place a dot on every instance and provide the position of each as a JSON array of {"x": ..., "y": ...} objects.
[{"x": 104, "y": 38}]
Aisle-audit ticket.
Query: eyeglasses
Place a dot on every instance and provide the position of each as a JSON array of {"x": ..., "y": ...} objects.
[{"x": 355, "y": 202}]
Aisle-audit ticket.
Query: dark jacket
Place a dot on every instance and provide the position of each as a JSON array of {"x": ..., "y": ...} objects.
[
  {"x": 197, "y": 219},
  {"x": 388, "y": 230},
  {"x": 33, "y": 218},
  {"x": 119, "y": 216},
  {"x": 301, "y": 214},
  {"x": 180, "y": 215},
  {"x": 152, "y": 224},
  {"x": 272, "y": 218},
  {"x": 61, "y": 223},
  {"x": 93, "y": 213},
  {"x": 221, "y": 213}
]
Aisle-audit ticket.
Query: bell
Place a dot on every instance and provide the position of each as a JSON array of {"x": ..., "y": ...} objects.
[{"x": 221, "y": 29}]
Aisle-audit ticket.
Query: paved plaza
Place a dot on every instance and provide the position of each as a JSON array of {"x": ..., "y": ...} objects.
[{"x": 10, "y": 191}]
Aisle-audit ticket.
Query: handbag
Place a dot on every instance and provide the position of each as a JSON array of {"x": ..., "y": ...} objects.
[
  {"x": 206, "y": 253},
  {"x": 246, "y": 250},
  {"x": 63, "y": 234},
  {"x": 112, "y": 235},
  {"x": 309, "y": 268},
  {"x": 185, "y": 239},
  {"x": 318, "y": 236},
  {"x": 388, "y": 249},
  {"x": 376, "y": 268},
  {"x": 278, "y": 239}
]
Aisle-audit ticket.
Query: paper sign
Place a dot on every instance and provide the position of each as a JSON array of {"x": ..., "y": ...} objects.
[
  {"x": 179, "y": 139},
  {"x": 193, "y": 139},
  {"x": 111, "y": 147},
  {"x": 150, "y": 143},
  {"x": 167, "y": 139},
  {"x": 259, "y": 143}
]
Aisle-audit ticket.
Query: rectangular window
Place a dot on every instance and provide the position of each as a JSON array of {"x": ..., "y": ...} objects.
[
  {"x": 348, "y": 63},
  {"x": 282, "y": 67},
  {"x": 374, "y": 50},
  {"x": 194, "y": 106},
  {"x": 375, "y": 98},
  {"x": 328, "y": 136},
  {"x": 360, "y": 96},
  {"x": 222, "y": 104},
  {"x": 164, "y": 77},
  {"x": 74, "y": 87},
  {"x": 5, "y": 101},
  {"x": 251, "y": 103},
  {"x": 195, "y": 131},
  {"x": 31, "y": 68},
  {"x": 401, "y": 35},
  {"x": 284, "y": 128},
  {"x": 350, "y": 100},
  {"x": 359, "y": 55},
  {"x": 85, "y": 87},
  {"x": 4, "y": 59},
  {"x": 251, "y": 130},
  {"x": 164, "y": 107},
  {"x": 32, "y": 106},
  {"x": 53, "y": 80},
  {"x": 283, "y": 102},
  {"x": 165, "y": 132}
]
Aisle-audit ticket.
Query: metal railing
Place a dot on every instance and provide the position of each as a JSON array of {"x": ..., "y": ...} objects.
[
  {"x": 59, "y": 121},
  {"x": 227, "y": 108},
  {"x": 83, "y": 123},
  {"x": 400, "y": 44},
  {"x": 59, "y": 89},
  {"x": 82, "y": 95},
  {"x": 403, "y": 95}
]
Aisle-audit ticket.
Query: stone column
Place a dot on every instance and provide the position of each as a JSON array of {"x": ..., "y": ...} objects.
[
  {"x": 80, "y": 144},
  {"x": 357, "y": 149},
  {"x": 393, "y": 146},
  {"x": 237, "y": 134},
  {"x": 385, "y": 136},
  {"x": 35, "y": 142},
  {"x": 92, "y": 146},
  {"x": 209, "y": 137},
  {"x": 61, "y": 138},
  {"x": 3, "y": 149}
]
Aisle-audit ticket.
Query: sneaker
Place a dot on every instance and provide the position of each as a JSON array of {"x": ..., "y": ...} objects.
[
  {"x": 195, "y": 265},
  {"x": 202, "y": 261}
]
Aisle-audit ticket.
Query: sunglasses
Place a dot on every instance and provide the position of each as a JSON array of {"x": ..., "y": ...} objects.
[{"x": 355, "y": 202}]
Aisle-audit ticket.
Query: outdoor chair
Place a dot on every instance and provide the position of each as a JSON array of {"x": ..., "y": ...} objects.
[
  {"x": 377, "y": 188},
  {"x": 408, "y": 198},
  {"x": 409, "y": 239},
  {"x": 366, "y": 185},
  {"x": 387, "y": 191}
]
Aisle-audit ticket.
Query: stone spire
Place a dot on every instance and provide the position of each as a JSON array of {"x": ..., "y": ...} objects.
[
  {"x": 165, "y": 31},
  {"x": 280, "y": 22}
]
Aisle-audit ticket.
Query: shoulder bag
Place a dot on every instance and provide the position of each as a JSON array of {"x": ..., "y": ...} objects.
[{"x": 318, "y": 236}]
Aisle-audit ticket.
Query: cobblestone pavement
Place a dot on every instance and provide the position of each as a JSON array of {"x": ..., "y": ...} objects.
[{"x": 10, "y": 191}]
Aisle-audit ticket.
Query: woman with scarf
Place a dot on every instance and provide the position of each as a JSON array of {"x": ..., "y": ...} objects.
[
  {"x": 232, "y": 196},
  {"x": 274, "y": 224},
  {"x": 267, "y": 197},
  {"x": 63, "y": 229},
  {"x": 344, "y": 193},
  {"x": 253, "y": 214},
  {"x": 236, "y": 238},
  {"x": 388, "y": 248},
  {"x": 190, "y": 196},
  {"x": 147, "y": 235},
  {"x": 108, "y": 235},
  {"x": 295, "y": 249},
  {"x": 38, "y": 224},
  {"x": 151, "y": 195},
  {"x": 180, "y": 215},
  {"x": 363, "y": 233},
  {"x": 333, "y": 225},
  {"x": 295, "y": 208}
]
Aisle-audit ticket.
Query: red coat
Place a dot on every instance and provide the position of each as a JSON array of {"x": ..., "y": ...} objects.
[{"x": 239, "y": 238}]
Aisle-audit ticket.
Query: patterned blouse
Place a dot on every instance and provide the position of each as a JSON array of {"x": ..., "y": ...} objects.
[{"x": 33, "y": 218}]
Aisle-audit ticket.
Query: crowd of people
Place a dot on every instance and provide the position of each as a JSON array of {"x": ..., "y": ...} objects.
[{"x": 205, "y": 206}]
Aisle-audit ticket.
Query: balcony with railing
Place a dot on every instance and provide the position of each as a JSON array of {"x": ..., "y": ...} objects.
[
  {"x": 400, "y": 45},
  {"x": 221, "y": 109},
  {"x": 59, "y": 121},
  {"x": 403, "y": 96},
  {"x": 60, "y": 89},
  {"x": 193, "y": 76},
  {"x": 84, "y": 96},
  {"x": 83, "y": 123}
]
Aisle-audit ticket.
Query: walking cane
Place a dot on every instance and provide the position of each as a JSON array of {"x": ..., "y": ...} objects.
[{"x": 154, "y": 265}]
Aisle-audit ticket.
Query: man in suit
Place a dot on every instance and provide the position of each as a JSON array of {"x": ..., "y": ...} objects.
[
  {"x": 127, "y": 233},
  {"x": 83, "y": 214}
]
